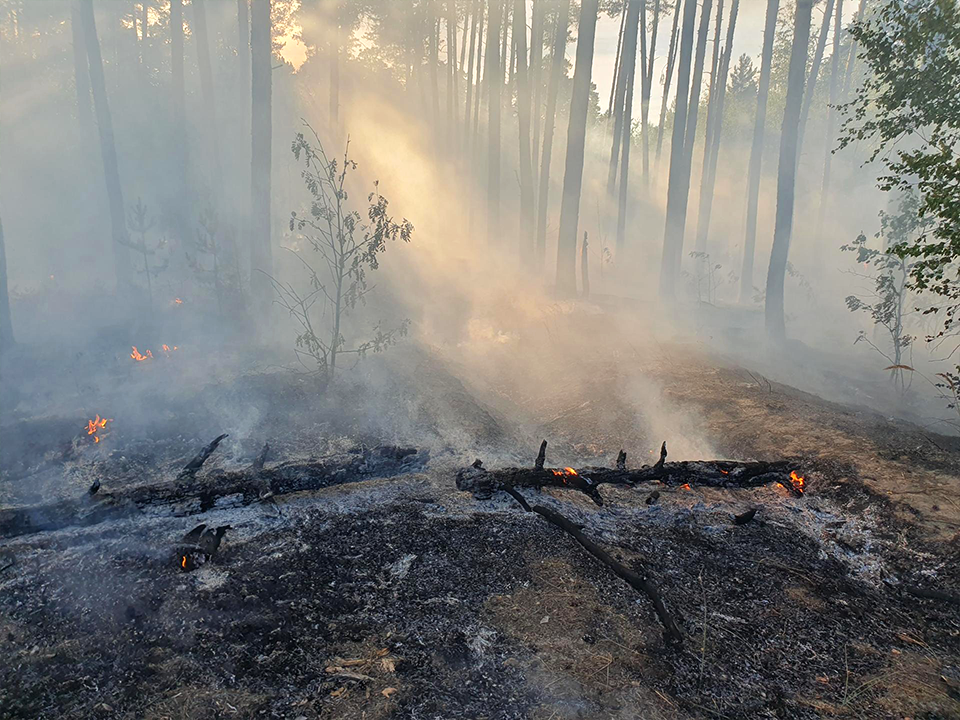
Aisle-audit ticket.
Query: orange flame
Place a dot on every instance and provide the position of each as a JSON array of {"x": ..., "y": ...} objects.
[
  {"x": 797, "y": 481},
  {"x": 183, "y": 562},
  {"x": 95, "y": 426},
  {"x": 177, "y": 301},
  {"x": 565, "y": 471},
  {"x": 136, "y": 355},
  {"x": 685, "y": 486},
  {"x": 725, "y": 472}
]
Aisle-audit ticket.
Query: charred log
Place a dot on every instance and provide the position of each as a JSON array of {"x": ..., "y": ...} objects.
[
  {"x": 261, "y": 458},
  {"x": 932, "y": 594},
  {"x": 637, "y": 582},
  {"x": 220, "y": 488},
  {"x": 744, "y": 518},
  {"x": 191, "y": 468}
]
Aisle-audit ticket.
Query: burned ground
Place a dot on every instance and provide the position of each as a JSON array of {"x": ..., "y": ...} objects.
[{"x": 400, "y": 596}]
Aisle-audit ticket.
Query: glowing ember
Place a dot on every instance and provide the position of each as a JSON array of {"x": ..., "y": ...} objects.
[
  {"x": 797, "y": 481},
  {"x": 565, "y": 471},
  {"x": 95, "y": 426},
  {"x": 167, "y": 349},
  {"x": 177, "y": 301},
  {"x": 685, "y": 486},
  {"x": 725, "y": 472},
  {"x": 139, "y": 357}
]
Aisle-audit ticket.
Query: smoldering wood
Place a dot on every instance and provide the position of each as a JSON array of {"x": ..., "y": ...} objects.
[
  {"x": 260, "y": 459},
  {"x": 219, "y": 488},
  {"x": 637, "y": 582},
  {"x": 541, "y": 456},
  {"x": 192, "y": 467}
]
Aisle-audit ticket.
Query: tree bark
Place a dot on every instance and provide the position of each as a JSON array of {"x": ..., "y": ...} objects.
[
  {"x": 206, "y": 87},
  {"x": 261, "y": 259},
  {"x": 756, "y": 152},
  {"x": 478, "y": 79},
  {"x": 471, "y": 59},
  {"x": 786, "y": 173},
  {"x": 678, "y": 193},
  {"x": 811, "y": 84},
  {"x": 494, "y": 81},
  {"x": 576, "y": 139},
  {"x": 625, "y": 75},
  {"x": 108, "y": 151},
  {"x": 671, "y": 61},
  {"x": 523, "y": 116},
  {"x": 536, "y": 65},
  {"x": 629, "y": 68},
  {"x": 81, "y": 72},
  {"x": 7, "y": 339},
  {"x": 715, "y": 134},
  {"x": 646, "y": 84},
  {"x": 549, "y": 122},
  {"x": 831, "y": 116},
  {"x": 616, "y": 60}
]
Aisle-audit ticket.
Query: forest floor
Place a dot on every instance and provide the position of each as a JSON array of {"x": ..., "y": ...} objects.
[{"x": 403, "y": 597}]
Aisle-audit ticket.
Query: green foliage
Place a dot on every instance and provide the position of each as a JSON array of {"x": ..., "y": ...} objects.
[
  {"x": 349, "y": 247},
  {"x": 908, "y": 107},
  {"x": 888, "y": 303},
  {"x": 140, "y": 223}
]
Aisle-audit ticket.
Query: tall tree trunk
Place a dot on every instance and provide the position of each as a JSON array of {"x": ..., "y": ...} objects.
[
  {"x": 505, "y": 24},
  {"x": 108, "y": 150},
  {"x": 677, "y": 210},
  {"x": 471, "y": 59},
  {"x": 536, "y": 65},
  {"x": 629, "y": 67},
  {"x": 712, "y": 97},
  {"x": 549, "y": 122},
  {"x": 176, "y": 61},
  {"x": 452, "y": 102},
  {"x": 852, "y": 57},
  {"x": 243, "y": 61},
  {"x": 7, "y": 339},
  {"x": 671, "y": 61},
  {"x": 523, "y": 116},
  {"x": 647, "y": 53},
  {"x": 814, "y": 73},
  {"x": 206, "y": 87},
  {"x": 831, "y": 115},
  {"x": 576, "y": 138},
  {"x": 617, "y": 60},
  {"x": 494, "y": 82},
  {"x": 81, "y": 72},
  {"x": 786, "y": 172},
  {"x": 334, "y": 32},
  {"x": 261, "y": 258},
  {"x": 434, "y": 62},
  {"x": 756, "y": 152},
  {"x": 477, "y": 80},
  {"x": 708, "y": 180},
  {"x": 624, "y": 75}
]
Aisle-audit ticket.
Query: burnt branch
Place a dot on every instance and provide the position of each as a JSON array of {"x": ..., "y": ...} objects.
[
  {"x": 634, "y": 580},
  {"x": 541, "y": 456},
  {"x": 191, "y": 468}
]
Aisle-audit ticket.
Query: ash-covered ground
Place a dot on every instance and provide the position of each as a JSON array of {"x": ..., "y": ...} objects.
[{"x": 402, "y": 597}]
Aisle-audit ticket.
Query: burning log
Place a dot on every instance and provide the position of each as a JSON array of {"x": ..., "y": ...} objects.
[
  {"x": 714, "y": 473},
  {"x": 637, "y": 582},
  {"x": 199, "y": 545},
  {"x": 191, "y": 468}
]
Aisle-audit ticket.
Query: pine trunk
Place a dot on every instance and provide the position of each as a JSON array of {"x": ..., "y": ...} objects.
[
  {"x": 786, "y": 172},
  {"x": 536, "y": 65},
  {"x": 624, "y": 75},
  {"x": 494, "y": 82},
  {"x": 471, "y": 59},
  {"x": 811, "y": 84},
  {"x": 261, "y": 259},
  {"x": 206, "y": 88},
  {"x": 523, "y": 116},
  {"x": 334, "y": 31},
  {"x": 831, "y": 115},
  {"x": 668, "y": 76},
  {"x": 756, "y": 152},
  {"x": 549, "y": 123},
  {"x": 576, "y": 139},
  {"x": 81, "y": 71},
  {"x": 108, "y": 151}
]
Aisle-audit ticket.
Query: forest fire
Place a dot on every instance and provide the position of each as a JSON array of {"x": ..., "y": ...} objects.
[
  {"x": 565, "y": 471},
  {"x": 167, "y": 349},
  {"x": 140, "y": 357},
  {"x": 95, "y": 426},
  {"x": 797, "y": 481}
]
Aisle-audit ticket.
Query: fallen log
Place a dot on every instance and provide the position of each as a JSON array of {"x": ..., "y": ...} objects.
[
  {"x": 637, "y": 582},
  {"x": 220, "y": 488},
  {"x": 191, "y": 468},
  {"x": 709, "y": 473}
]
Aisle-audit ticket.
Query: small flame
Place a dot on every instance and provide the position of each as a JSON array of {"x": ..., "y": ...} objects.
[
  {"x": 797, "y": 481},
  {"x": 565, "y": 471},
  {"x": 95, "y": 426},
  {"x": 139, "y": 357},
  {"x": 685, "y": 486},
  {"x": 183, "y": 562},
  {"x": 725, "y": 472},
  {"x": 177, "y": 301}
]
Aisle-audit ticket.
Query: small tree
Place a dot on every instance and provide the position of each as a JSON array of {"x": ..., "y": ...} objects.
[
  {"x": 215, "y": 243},
  {"x": 887, "y": 304},
  {"x": 349, "y": 247},
  {"x": 139, "y": 222}
]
